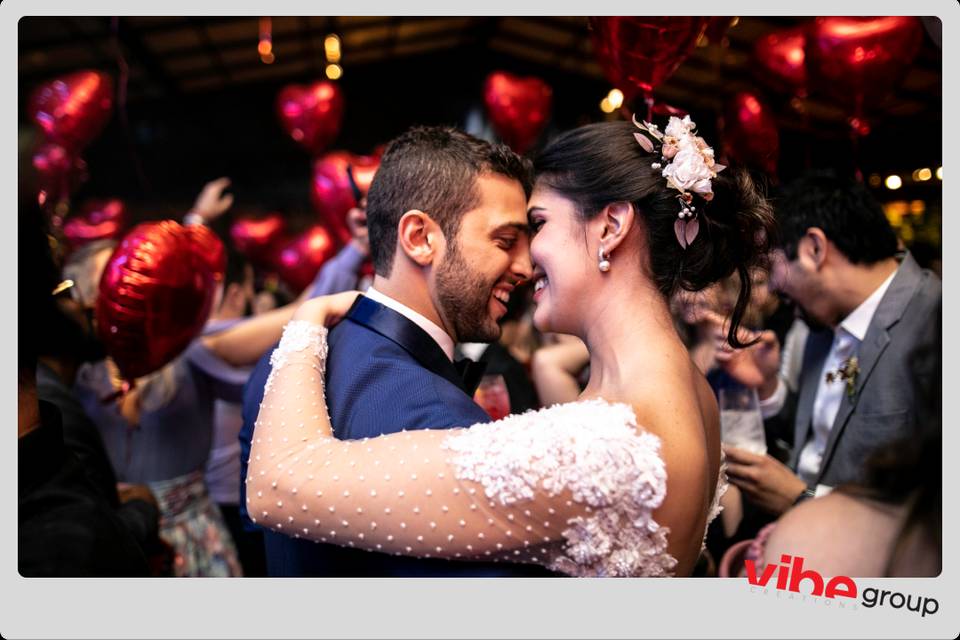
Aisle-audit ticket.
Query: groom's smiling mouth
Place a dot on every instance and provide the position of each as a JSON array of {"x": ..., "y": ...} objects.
[{"x": 500, "y": 297}]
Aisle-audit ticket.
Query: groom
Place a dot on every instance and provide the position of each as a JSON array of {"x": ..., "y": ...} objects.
[{"x": 449, "y": 242}]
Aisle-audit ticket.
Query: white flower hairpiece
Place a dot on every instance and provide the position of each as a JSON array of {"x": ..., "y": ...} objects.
[{"x": 688, "y": 165}]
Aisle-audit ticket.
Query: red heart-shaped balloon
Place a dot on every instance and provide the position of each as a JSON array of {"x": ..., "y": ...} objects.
[
  {"x": 255, "y": 238},
  {"x": 637, "y": 53},
  {"x": 750, "y": 134},
  {"x": 72, "y": 110},
  {"x": 311, "y": 115},
  {"x": 782, "y": 59},
  {"x": 859, "y": 60},
  {"x": 59, "y": 172},
  {"x": 299, "y": 260},
  {"x": 155, "y": 294},
  {"x": 331, "y": 192},
  {"x": 364, "y": 168},
  {"x": 519, "y": 108},
  {"x": 207, "y": 246},
  {"x": 96, "y": 220}
]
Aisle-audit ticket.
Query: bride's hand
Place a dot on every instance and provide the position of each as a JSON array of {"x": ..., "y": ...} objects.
[{"x": 326, "y": 310}]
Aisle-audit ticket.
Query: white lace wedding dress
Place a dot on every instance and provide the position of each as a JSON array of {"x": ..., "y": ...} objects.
[{"x": 572, "y": 487}]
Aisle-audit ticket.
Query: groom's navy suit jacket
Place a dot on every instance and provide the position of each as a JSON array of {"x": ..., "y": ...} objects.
[{"x": 384, "y": 374}]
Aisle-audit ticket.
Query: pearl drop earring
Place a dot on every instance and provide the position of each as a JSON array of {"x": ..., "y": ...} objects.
[{"x": 604, "y": 262}]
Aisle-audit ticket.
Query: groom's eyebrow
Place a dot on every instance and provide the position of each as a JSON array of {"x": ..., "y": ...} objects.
[{"x": 519, "y": 226}]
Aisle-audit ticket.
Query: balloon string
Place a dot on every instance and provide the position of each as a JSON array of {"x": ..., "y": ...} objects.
[{"x": 122, "y": 103}]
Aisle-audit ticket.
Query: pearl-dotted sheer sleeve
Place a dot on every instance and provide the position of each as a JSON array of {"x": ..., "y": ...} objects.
[{"x": 572, "y": 487}]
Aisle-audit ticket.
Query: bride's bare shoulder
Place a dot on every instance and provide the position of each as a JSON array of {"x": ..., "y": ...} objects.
[{"x": 682, "y": 413}]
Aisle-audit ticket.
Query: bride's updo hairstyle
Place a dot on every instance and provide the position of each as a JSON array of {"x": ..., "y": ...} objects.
[{"x": 599, "y": 164}]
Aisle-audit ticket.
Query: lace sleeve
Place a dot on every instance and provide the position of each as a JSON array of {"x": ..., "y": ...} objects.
[{"x": 572, "y": 487}]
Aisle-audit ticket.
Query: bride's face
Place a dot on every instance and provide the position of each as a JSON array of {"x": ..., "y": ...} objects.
[{"x": 564, "y": 271}]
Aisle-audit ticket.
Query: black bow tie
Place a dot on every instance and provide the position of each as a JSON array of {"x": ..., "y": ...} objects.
[{"x": 471, "y": 372}]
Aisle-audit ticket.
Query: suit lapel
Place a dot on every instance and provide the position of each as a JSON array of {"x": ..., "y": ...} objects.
[
  {"x": 405, "y": 333},
  {"x": 815, "y": 353},
  {"x": 891, "y": 308}
]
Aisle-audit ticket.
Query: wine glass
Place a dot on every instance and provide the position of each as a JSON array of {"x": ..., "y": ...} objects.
[
  {"x": 741, "y": 423},
  {"x": 492, "y": 395}
]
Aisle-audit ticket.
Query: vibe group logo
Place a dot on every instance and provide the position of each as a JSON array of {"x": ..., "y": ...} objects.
[{"x": 790, "y": 574}]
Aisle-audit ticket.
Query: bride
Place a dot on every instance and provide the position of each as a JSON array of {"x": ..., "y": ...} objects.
[{"x": 622, "y": 482}]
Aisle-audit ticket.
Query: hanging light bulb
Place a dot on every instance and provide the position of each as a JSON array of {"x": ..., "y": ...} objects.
[
  {"x": 334, "y": 71},
  {"x": 331, "y": 46},
  {"x": 265, "y": 46},
  {"x": 615, "y": 98}
]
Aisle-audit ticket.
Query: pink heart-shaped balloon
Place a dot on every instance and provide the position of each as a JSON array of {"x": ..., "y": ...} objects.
[
  {"x": 312, "y": 114},
  {"x": 72, "y": 110},
  {"x": 519, "y": 108},
  {"x": 298, "y": 261},
  {"x": 59, "y": 172},
  {"x": 782, "y": 59},
  {"x": 331, "y": 192},
  {"x": 255, "y": 238},
  {"x": 637, "y": 53},
  {"x": 859, "y": 60},
  {"x": 96, "y": 220},
  {"x": 750, "y": 133}
]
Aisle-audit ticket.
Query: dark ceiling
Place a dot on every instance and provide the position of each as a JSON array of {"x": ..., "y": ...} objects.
[
  {"x": 198, "y": 82},
  {"x": 187, "y": 56}
]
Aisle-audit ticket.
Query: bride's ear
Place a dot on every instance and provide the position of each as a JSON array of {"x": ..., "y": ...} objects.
[{"x": 616, "y": 220}]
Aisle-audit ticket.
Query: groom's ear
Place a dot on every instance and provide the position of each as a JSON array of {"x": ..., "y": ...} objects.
[
  {"x": 419, "y": 237},
  {"x": 616, "y": 220}
]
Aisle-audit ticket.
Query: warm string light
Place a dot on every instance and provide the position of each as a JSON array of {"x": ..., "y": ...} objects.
[
  {"x": 616, "y": 98},
  {"x": 331, "y": 48},
  {"x": 265, "y": 45},
  {"x": 334, "y": 71},
  {"x": 894, "y": 181},
  {"x": 612, "y": 101}
]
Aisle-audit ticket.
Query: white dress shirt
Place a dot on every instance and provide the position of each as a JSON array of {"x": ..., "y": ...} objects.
[
  {"x": 440, "y": 336},
  {"x": 846, "y": 343}
]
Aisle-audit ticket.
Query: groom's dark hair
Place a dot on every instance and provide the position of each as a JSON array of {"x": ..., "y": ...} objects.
[{"x": 434, "y": 170}]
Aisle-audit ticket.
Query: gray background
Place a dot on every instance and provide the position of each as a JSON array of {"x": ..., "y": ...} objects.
[{"x": 255, "y": 608}]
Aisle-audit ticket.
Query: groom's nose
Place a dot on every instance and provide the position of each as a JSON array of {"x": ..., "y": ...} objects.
[{"x": 522, "y": 266}]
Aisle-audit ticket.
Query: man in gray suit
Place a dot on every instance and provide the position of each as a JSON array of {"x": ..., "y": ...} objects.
[{"x": 870, "y": 310}]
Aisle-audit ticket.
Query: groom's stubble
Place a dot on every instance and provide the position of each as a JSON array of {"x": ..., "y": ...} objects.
[{"x": 464, "y": 298}]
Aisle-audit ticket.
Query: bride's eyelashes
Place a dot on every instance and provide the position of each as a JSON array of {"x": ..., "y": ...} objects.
[{"x": 536, "y": 224}]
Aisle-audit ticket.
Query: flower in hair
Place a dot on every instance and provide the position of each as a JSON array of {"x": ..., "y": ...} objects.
[{"x": 688, "y": 164}]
